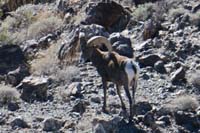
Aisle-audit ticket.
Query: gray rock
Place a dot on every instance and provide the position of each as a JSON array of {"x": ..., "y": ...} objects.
[
  {"x": 196, "y": 8},
  {"x": 13, "y": 106},
  {"x": 106, "y": 124},
  {"x": 165, "y": 119},
  {"x": 93, "y": 30},
  {"x": 145, "y": 76},
  {"x": 144, "y": 45},
  {"x": 115, "y": 20},
  {"x": 44, "y": 41},
  {"x": 52, "y": 124},
  {"x": 19, "y": 123},
  {"x": 178, "y": 33},
  {"x": 121, "y": 44},
  {"x": 187, "y": 120},
  {"x": 159, "y": 67},
  {"x": 170, "y": 45},
  {"x": 96, "y": 99},
  {"x": 3, "y": 119},
  {"x": 178, "y": 75},
  {"x": 149, "y": 119},
  {"x": 74, "y": 89},
  {"x": 34, "y": 88},
  {"x": 11, "y": 57},
  {"x": 79, "y": 106},
  {"x": 148, "y": 60},
  {"x": 142, "y": 108},
  {"x": 160, "y": 123},
  {"x": 30, "y": 47},
  {"x": 16, "y": 76}
]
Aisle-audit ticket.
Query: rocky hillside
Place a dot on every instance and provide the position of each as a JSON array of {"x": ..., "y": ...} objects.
[{"x": 44, "y": 88}]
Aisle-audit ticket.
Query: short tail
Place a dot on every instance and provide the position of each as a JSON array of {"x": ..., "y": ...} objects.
[{"x": 136, "y": 69}]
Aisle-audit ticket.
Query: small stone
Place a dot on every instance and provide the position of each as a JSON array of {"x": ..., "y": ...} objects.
[
  {"x": 149, "y": 119},
  {"x": 196, "y": 8},
  {"x": 149, "y": 60},
  {"x": 160, "y": 123},
  {"x": 19, "y": 123},
  {"x": 13, "y": 106},
  {"x": 80, "y": 106},
  {"x": 142, "y": 108},
  {"x": 96, "y": 99},
  {"x": 165, "y": 119},
  {"x": 159, "y": 67},
  {"x": 74, "y": 89},
  {"x": 16, "y": 76},
  {"x": 52, "y": 124},
  {"x": 3, "y": 118},
  {"x": 178, "y": 33},
  {"x": 178, "y": 75},
  {"x": 145, "y": 76}
]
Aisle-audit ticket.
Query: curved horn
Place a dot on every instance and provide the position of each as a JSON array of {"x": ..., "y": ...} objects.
[{"x": 99, "y": 40}]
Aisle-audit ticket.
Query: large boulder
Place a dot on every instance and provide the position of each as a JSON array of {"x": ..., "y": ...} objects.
[
  {"x": 188, "y": 120},
  {"x": 34, "y": 88},
  {"x": 11, "y": 57},
  {"x": 19, "y": 123},
  {"x": 121, "y": 44},
  {"x": 149, "y": 60},
  {"x": 114, "y": 124},
  {"x": 69, "y": 46},
  {"x": 110, "y": 15},
  {"x": 16, "y": 76}
]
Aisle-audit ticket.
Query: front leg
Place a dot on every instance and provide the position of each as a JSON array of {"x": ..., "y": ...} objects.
[{"x": 105, "y": 96}]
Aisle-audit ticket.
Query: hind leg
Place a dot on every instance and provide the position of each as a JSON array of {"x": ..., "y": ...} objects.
[
  {"x": 126, "y": 87},
  {"x": 120, "y": 97},
  {"x": 134, "y": 87}
]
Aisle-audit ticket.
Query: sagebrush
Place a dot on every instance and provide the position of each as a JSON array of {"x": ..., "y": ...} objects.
[{"x": 8, "y": 94}]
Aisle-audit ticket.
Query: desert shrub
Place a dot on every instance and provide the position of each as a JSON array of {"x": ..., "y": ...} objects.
[
  {"x": 143, "y": 12},
  {"x": 155, "y": 11},
  {"x": 44, "y": 26},
  {"x": 195, "y": 79},
  {"x": 48, "y": 65},
  {"x": 20, "y": 25},
  {"x": 183, "y": 103},
  {"x": 176, "y": 12},
  {"x": 195, "y": 19},
  {"x": 8, "y": 94}
]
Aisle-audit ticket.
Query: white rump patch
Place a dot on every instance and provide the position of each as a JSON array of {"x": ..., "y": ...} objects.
[{"x": 129, "y": 70}]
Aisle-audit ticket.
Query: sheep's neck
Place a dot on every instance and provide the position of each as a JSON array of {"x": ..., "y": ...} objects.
[{"x": 98, "y": 58}]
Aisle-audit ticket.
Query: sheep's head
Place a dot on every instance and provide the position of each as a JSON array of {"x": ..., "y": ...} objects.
[{"x": 87, "y": 48}]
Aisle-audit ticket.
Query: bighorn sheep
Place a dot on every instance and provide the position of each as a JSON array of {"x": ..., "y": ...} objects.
[{"x": 111, "y": 66}]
